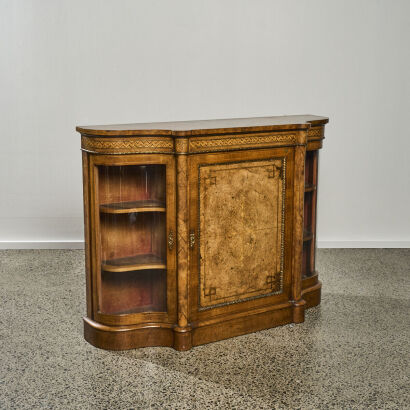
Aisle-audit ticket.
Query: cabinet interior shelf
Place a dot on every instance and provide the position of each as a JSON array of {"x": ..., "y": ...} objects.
[
  {"x": 131, "y": 263},
  {"x": 140, "y": 309},
  {"x": 148, "y": 205},
  {"x": 310, "y": 187}
]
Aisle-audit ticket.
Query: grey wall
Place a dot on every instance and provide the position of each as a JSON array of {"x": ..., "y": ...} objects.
[{"x": 71, "y": 62}]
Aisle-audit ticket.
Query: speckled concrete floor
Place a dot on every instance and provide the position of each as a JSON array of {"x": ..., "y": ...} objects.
[{"x": 352, "y": 352}]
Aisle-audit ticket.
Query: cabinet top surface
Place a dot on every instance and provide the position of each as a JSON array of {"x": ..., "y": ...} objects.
[{"x": 182, "y": 128}]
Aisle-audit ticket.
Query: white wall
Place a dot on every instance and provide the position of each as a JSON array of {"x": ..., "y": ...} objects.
[{"x": 71, "y": 62}]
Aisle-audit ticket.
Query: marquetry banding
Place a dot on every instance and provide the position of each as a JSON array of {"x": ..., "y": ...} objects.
[
  {"x": 229, "y": 143},
  {"x": 316, "y": 133},
  {"x": 166, "y": 145},
  {"x": 129, "y": 145}
]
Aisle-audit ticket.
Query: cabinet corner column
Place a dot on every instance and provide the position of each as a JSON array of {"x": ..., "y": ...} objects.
[
  {"x": 182, "y": 332},
  {"x": 299, "y": 190}
]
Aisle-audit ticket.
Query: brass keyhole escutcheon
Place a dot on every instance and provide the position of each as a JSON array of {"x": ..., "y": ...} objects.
[{"x": 192, "y": 239}]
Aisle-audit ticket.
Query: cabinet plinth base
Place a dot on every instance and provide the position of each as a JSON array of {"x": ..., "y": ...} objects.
[
  {"x": 127, "y": 337},
  {"x": 312, "y": 290},
  {"x": 299, "y": 311},
  {"x": 245, "y": 324},
  {"x": 182, "y": 338}
]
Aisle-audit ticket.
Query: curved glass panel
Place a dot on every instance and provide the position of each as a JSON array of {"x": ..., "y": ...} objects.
[{"x": 132, "y": 211}]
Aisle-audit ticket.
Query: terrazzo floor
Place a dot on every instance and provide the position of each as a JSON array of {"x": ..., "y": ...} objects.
[{"x": 353, "y": 351}]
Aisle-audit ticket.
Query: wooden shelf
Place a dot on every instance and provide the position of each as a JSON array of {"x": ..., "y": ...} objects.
[
  {"x": 131, "y": 263},
  {"x": 310, "y": 187},
  {"x": 307, "y": 236},
  {"x": 148, "y": 205},
  {"x": 140, "y": 309}
]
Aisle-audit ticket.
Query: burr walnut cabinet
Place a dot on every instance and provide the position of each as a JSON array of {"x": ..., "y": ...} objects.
[{"x": 198, "y": 231}]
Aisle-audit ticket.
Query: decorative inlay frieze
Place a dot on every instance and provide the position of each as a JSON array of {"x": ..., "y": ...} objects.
[
  {"x": 127, "y": 145},
  {"x": 224, "y": 143},
  {"x": 132, "y": 145},
  {"x": 316, "y": 133}
]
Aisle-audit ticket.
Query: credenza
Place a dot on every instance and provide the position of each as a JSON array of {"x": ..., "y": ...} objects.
[{"x": 197, "y": 231}]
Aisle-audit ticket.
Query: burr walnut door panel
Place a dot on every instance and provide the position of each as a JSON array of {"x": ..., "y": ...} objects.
[{"x": 237, "y": 227}]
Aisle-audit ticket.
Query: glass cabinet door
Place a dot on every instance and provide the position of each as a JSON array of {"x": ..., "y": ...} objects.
[
  {"x": 132, "y": 239},
  {"x": 309, "y": 217}
]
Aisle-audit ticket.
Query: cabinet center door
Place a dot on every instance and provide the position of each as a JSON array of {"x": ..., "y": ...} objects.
[{"x": 241, "y": 230}]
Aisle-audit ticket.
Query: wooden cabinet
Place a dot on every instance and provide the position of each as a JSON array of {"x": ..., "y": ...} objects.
[{"x": 198, "y": 231}]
